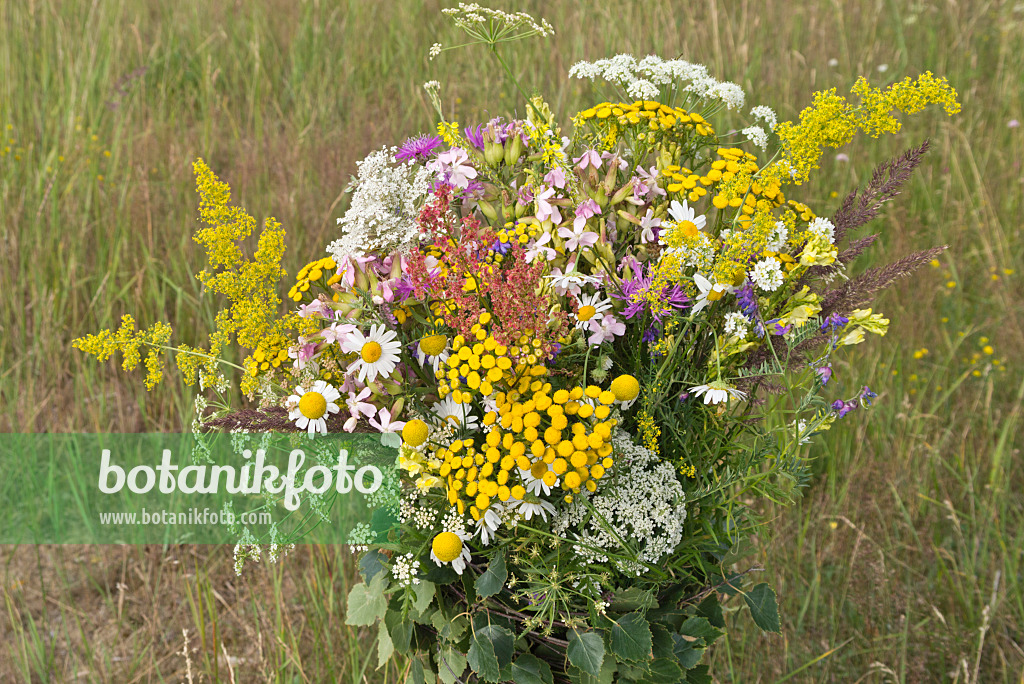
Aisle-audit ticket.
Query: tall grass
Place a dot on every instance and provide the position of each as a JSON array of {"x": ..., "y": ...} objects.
[{"x": 903, "y": 561}]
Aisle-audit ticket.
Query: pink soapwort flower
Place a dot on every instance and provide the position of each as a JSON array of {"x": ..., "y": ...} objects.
[
  {"x": 588, "y": 158},
  {"x": 586, "y": 210},
  {"x": 357, "y": 407},
  {"x": 615, "y": 159},
  {"x": 649, "y": 180},
  {"x": 539, "y": 247},
  {"x": 386, "y": 424},
  {"x": 302, "y": 353},
  {"x": 649, "y": 224},
  {"x": 555, "y": 177},
  {"x": 606, "y": 330},
  {"x": 545, "y": 209},
  {"x": 577, "y": 237},
  {"x": 453, "y": 166},
  {"x": 337, "y": 333}
]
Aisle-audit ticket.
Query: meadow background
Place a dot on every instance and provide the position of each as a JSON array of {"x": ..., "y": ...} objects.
[{"x": 903, "y": 561}]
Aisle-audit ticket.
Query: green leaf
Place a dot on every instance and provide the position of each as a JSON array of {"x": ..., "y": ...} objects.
[
  {"x": 366, "y": 603},
  {"x": 400, "y": 630},
  {"x": 699, "y": 675},
  {"x": 663, "y": 671},
  {"x": 416, "y": 673},
  {"x": 494, "y": 578},
  {"x": 490, "y": 649},
  {"x": 424, "y": 595},
  {"x": 529, "y": 669},
  {"x": 450, "y": 629},
  {"x": 763, "y": 607},
  {"x": 663, "y": 646},
  {"x": 631, "y": 638},
  {"x": 632, "y": 599},
  {"x": 370, "y": 565},
  {"x": 688, "y": 653},
  {"x": 586, "y": 651},
  {"x": 606, "y": 676},
  {"x": 385, "y": 647},
  {"x": 450, "y": 664},
  {"x": 700, "y": 628},
  {"x": 711, "y": 609}
]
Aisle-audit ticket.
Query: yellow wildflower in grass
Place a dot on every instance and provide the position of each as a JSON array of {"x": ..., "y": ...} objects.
[
  {"x": 831, "y": 121},
  {"x": 252, "y": 311}
]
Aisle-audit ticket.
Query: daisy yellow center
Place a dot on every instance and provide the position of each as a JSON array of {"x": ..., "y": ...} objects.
[
  {"x": 586, "y": 312},
  {"x": 313, "y": 405},
  {"x": 538, "y": 469},
  {"x": 447, "y": 546},
  {"x": 688, "y": 228},
  {"x": 371, "y": 352},
  {"x": 433, "y": 345},
  {"x": 715, "y": 294}
]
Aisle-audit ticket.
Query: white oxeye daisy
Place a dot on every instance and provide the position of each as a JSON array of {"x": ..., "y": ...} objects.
[
  {"x": 433, "y": 347},
  {"x": 309, "y": 407},
  {"x": 539, "y": 478},
  {"x": 378, "y": 352},
  {"x": 716, "y": 392},
  {"x": 452, "y": 414},
  {"x": 528, "y": 509},
  {"x": 686, "y": 218},
  {"x": 489, "y": 522},
  {"x": 708, "y": 292},
  {"x": 591, "y": 308},
  {"x": 450, "y": 547}
]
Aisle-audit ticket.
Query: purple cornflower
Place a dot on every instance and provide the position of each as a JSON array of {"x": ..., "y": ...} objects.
[
  {"x": 633, "y": 292},
  {"x": 834, "y": 322},
  {"x": 420, "y": 149}
]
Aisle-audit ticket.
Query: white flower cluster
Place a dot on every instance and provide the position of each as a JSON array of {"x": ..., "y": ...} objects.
[
  {"x": 699, "y": 254},
  {"x": 424, "y": 518},
  {"x": 823, "y": 228},
  {"x": 766, "y": 114},
  {"x": 767, "y": 274},
  {"x": 644, "y": 504},
  {"x": 405, "y": 569},
  {"x": 652, "y": 73},
  {"x": 385, "y": 205},
  {"x": 468, "y": 16},
  {"x": 736, "y": 324},
  {"x": 756, "y": 135},
  {"x": 779, "y": 238}
]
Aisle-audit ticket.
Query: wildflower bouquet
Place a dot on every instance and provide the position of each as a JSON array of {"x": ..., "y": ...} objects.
[{"x": 592, "y": 346}]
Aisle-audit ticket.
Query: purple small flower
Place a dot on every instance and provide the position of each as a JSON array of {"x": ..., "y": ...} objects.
[
  {"x": 420, "y": 149},
  {"x": 843, "y": 407},
  {"x": 651, "y": 334},
  {"x": 684, "y": 396},
  {"x": 866, "y": 395},
  {"x": 775, "y": 328},
  {"x": 834, "y": 322},
  {"x": 824, "y": 374},
  {"x": 1013, "y": 123},
  {"x": 475, "y": 136}
]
